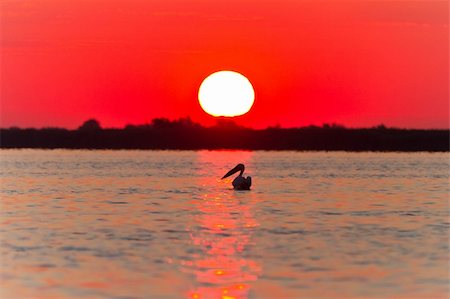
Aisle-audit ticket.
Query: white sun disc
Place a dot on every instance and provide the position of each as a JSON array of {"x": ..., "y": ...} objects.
[{"x": 226, "y": 93}]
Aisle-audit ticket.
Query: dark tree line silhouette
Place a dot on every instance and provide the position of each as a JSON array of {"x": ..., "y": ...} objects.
[{"x": 185, "y": 134}]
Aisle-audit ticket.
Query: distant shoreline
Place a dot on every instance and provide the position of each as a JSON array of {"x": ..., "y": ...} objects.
[{"x": 183, "y": 134}]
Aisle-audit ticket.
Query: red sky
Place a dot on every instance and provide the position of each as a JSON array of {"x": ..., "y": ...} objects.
[{"x": 354, "y": 62}]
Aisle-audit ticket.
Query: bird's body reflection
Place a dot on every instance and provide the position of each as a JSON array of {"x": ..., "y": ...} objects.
[{"x": 221, "y": 233}]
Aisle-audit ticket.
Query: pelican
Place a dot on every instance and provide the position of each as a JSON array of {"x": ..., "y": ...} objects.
[{"x": 240, "y": 182}]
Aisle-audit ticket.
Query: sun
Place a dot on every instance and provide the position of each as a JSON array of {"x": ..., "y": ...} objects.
[{"x": 226, "y": 93}]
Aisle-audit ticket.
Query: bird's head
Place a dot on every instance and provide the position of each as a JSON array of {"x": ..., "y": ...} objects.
[{"x": 240, "y": 167}]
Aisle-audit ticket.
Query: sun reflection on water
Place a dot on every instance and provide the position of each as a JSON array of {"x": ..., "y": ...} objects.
[{"x": 224, "y": 227}]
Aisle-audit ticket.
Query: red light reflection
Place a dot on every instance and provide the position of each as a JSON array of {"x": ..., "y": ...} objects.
[{"x": 222, "y": 231}]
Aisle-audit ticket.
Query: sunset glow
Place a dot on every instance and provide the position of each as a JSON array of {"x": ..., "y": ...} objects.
[{"x": 356, "y": 63}]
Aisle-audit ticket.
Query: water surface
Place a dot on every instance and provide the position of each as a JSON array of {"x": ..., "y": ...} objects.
[{"x": 160, "y": 224}]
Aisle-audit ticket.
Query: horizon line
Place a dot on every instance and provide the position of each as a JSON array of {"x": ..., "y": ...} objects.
[{"x": 223, "y": 122}]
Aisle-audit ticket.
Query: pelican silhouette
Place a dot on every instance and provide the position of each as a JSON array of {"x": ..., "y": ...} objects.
[{"x": 240, "y": 182}]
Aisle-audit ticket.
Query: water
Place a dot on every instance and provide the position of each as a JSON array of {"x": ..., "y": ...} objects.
[{"x": 159, "y": 224}]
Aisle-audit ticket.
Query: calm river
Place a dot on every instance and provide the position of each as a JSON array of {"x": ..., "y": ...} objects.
[{"x": 161, "y": 224}]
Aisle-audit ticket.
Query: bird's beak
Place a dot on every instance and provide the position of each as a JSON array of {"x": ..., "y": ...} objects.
[{"x": 232, "y": 171}]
